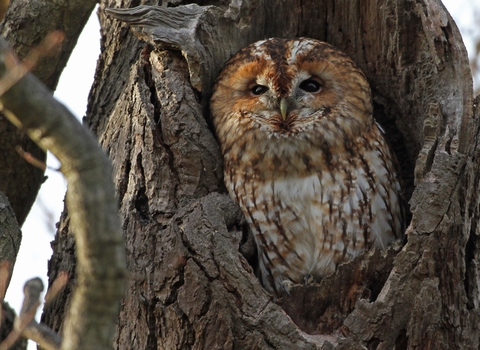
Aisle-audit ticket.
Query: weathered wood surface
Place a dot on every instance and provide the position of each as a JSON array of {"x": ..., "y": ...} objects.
[{"x": 189, "y": 286}]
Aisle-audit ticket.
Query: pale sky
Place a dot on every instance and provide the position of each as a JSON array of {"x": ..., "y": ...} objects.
[{"x": 73, "y": 89}]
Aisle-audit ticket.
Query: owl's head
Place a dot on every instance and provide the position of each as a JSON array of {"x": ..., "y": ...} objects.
[{"x": 283, "y": 88}]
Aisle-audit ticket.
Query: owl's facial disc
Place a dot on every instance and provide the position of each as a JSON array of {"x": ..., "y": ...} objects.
[
  {"x": 286, "y": 104},
  {"x": 282, "y": 108},
  {"x": 290, "y": 87},
  {"x": 282, "y": 102},
  {"x": 262, "y": 90}
]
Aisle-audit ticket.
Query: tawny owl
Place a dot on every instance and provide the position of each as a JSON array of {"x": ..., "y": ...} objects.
[{"x": 304, "y": 158}]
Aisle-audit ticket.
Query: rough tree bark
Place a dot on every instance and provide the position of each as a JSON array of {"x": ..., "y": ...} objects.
[{"x": 189, "y": 286}]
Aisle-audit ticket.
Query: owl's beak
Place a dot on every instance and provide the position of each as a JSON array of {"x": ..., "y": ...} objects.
[{"x": 283, "y": 108}]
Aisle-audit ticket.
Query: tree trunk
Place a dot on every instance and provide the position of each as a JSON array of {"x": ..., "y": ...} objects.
[{"x": 189, "y": 286}]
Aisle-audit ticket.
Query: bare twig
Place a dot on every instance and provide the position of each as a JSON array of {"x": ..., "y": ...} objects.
[
  {"x": 5, "y": 270},
  {"x": 30, "y": 158},
  {"x": 32, "y": 291},
  {"x": 25, "y": 324},
  {"x": 42, "y": 335},
  {"x": 56, "y": 286},
  {"x": 16, "y": 71}
]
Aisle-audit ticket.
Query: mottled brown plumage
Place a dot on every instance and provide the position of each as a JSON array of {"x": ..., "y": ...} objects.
[{"x": 304, "y": 158}]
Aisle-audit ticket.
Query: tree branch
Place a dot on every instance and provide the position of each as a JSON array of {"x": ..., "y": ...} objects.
[
  {"x": 38, "y": 19},
  {"x": 26, "y": 24},
  {"x": 92, "y": 205},
  {"x": 41, "y": 334},
  {"x": 25, "y": 323}
]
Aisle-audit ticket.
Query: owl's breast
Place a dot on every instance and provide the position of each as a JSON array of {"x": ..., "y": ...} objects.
[
  {"x": 298, "y": 217},
  {"x": 311, "y": 212}
]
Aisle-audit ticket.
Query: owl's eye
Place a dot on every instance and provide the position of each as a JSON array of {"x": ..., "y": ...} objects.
[
  {"x": 310, "y": 85},
  {"x": 259, "y": 90}
]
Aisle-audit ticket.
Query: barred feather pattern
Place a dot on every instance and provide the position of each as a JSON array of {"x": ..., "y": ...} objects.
[{"x": 304, "y": 158}]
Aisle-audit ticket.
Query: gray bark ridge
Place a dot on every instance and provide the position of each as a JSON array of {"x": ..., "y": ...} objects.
[{"x": 176, "y": 28}]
